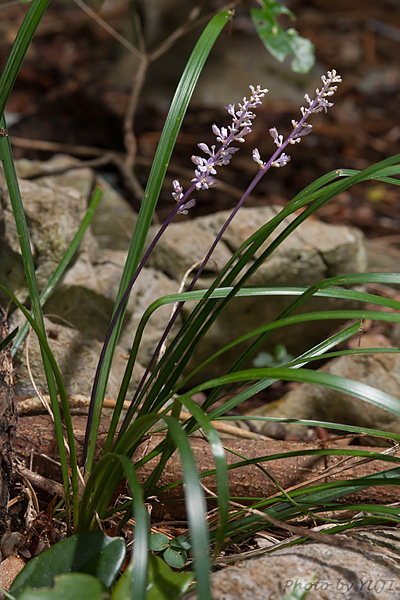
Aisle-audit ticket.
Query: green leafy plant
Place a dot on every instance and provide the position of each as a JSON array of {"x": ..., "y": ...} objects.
[
  {"x": 86, "y": 566},
  {"x": 279, "y": 41},
  {"x": 174, "y": 551},
  {"x": 165, "y": 389},
  {"x": 279, "y": 358}
]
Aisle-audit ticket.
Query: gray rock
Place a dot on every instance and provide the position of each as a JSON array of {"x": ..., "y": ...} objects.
[
  {"x": 364, "y": 567},
  {"x": 114, "y": 219},
  {"x": 77, "y": 358},
  {"x": 53, "y": 215},
  {"x": 311, "y": 402},
  {"x": 86, "y": 295},
  {"x": 313, "y": 252},
  {"x": 150, "y": 286},
  {"x": 58, "y": 170},
  {"x": 184, "y": 244}
]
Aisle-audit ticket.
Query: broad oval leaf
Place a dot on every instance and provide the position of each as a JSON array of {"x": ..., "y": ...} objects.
[
  {"x": 158, "y": 542},
  {"x": 176, "y": 559},
  {"x": 91, "y": 552},
  {"x": 68, "y": 587},
  {"x": 279, "y": 41}
]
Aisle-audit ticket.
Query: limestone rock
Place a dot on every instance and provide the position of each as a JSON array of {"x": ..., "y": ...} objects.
[
  {"x": 114, "y": 219},
  {"x": 184, "y": 244},
  {"x": 86, "y": 294},
  {"x": 380, "y": 371},
  {"x": 85, "y": 298},
  {"x": 77, "y": 358},
  {"x": 150, "y": 286},
  {"x": 313, "y": 252},
  {"x": 365, "y": 566},
  {"x": 58, "y": 170},
  {"x": 53, "y": 216}
]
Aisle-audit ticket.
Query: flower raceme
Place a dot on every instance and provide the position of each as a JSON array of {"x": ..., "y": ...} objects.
[
  {"x": 236, "y": 132},
  {"x": 300, "y": 128},
  {"x": 242, "y": 118}
]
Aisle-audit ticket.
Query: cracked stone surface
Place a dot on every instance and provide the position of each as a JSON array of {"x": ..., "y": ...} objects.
[
  {"x": 56, "y": 203},
  {"x": 313, "y": 252},
  {"x": 77, "y": 358},
  {"x": 364, "y": 567},
  {"x": 380, "y": 371}
]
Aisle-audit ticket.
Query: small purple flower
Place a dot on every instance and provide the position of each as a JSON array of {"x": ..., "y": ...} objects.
[
  {"x": 231, "y": 110},
  {"x": 221, "y": 134},
  {"x": 207, "y": 166},
  {"x": 320, "y": 103},
  {"x": 225, "y": 156},
  {"x": 184, "y": 209},
  {"x": 257, "y": 158},
  {"x": 281, "y": 161},
  {"x": 236, "y": 132},
  {"x": 177, "y": 194},
  {"x": 203, "y": 180},
  {"x": 206, "y": 149},
  {"x": 278, "y": 139}
]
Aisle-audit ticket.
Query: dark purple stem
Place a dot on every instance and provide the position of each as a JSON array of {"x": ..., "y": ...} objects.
[
  {"x": 117, "y": 313},
  {"x": 191, "y": 286},
  {"x": 295, "y": 133},
  {"x": 178, "y": 309}
]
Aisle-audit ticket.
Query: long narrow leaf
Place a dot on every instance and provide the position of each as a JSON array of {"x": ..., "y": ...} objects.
[
  {"x": 19, "y": 48},
  {"x": 341, "y": 384},
  {"x": 55, "y": 374},
  {"x": 181, "y": 348},
  {"x": 135, "y": 585},
  {"x": 312, "y": 497},
  {"x": 218, "y": 453},
  {"x": 168, "y": 137},
  {"x": 314, "y": 352},
  {"x": 380, "y": 433},
  {"x": 196, "y": 510},
  {"x": 387, "y": 278},
  {"x": 8, "y": 339},
  {"x": 63, "y": 264}
]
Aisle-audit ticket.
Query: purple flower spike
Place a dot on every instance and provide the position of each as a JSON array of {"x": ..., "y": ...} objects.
[
  {"x": 300, "y": 128},
  {"x": 236, "y": 132}
]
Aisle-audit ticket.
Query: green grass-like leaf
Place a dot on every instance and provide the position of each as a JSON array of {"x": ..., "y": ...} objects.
[
  {"x": 8, "y": 339},
  {"x": 134, "y": 583},
  {"x": 18, "y": 50},
  {"x": 196, "y": 510},
  {"x": 169, "y": 134},
  {"x": 165, "y": 376}
]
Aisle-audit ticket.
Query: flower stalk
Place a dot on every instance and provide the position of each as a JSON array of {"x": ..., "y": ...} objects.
[{"x": 204, "y": 179}]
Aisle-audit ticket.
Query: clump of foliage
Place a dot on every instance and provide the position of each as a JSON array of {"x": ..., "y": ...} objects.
[{"x": 88, "y": 562}]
